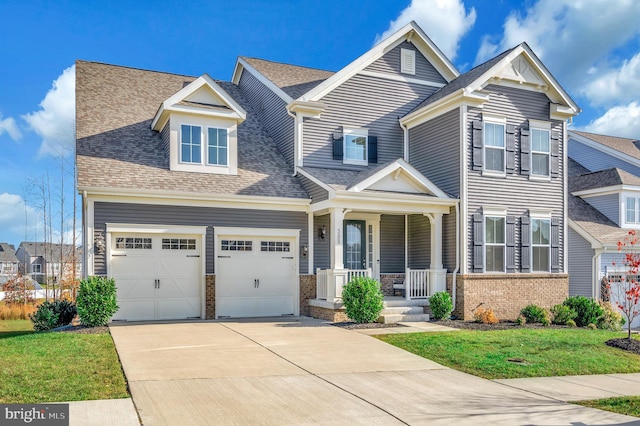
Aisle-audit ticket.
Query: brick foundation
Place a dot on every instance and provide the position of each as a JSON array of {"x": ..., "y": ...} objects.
[
  {"x": 386, "y": 283},
  {"x": 507, "y": 294},
  {"x": 333, "y": 315},
  {"x": 307, "y": 291},
  {"x": 210, "y": 296}
]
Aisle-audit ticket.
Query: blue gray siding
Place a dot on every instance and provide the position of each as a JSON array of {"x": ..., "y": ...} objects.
[
  {"x": 419, "y": 249},
  {"x": 434, "y": 150},
  {"x": 391, "y": 244},
  {"x": 611, "y": 261},
  {"x": 316, "y": 192},
  {"x": 579, "y": 264},
  {"x": 449, "y": 240},
  {"x": 595, "y": 160},
  {"x": 272, "y": 112},
  {"x": 366, "y": 102},
  {"x": 197, "y": 216},
  {"x": 609, "y": 205},
  {"x": 516, "y": 192},
  {"x": 390, "y": 64},
  {"x": 321, "y": 246}
]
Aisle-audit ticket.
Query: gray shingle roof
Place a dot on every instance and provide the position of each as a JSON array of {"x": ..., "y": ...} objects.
[
  {"x": 576, "y": 169},
  {"x": 602, "y": 179},
  {"x": 627, "y": 146},
  {"x": 117, "y": 149},
  {"x": 294, "y": 80},
  {"x": 461, "y": 81},
  {"x": 7, "y": 253},
  {"x": 50, "y": 251}
]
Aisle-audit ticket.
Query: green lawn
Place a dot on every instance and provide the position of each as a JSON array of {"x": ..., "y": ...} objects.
[
  {"x": 629, "y": 405},
  {"x": 54, "y": 367},
  {"x": 545, "y": 352}
]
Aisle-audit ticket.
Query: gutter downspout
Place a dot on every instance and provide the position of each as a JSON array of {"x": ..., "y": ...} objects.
[
  {"x": 455, "y": 272},
  {"x": 297, "y": 130},
  {"x": 84, "y": 233},
  {"x": 405, "y": 142},
  {"x": 596, "y": 273}
]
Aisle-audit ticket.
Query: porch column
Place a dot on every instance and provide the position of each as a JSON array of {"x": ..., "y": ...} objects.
[
  {"x": 436, "y": 241},
  {"x": 337, "y": 220},
  {"x": 437, "y": 275}
]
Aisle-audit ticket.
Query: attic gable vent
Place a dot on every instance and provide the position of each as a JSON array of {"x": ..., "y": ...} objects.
[{"x": 408, "y": 61}]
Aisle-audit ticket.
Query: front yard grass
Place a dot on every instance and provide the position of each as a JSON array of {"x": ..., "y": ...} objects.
[
  {"x": 629, "y": 405},
  {"x": 533, "y": 352},
  {"x": 56, "y": 367}
]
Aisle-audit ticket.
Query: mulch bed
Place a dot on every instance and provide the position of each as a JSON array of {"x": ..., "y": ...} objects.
[
  {"x": 356, "y": 326},
  {"x": 632, "y": 345},
  {"x": 502, "y": 325},
  {"x": 82, "y": 329}
]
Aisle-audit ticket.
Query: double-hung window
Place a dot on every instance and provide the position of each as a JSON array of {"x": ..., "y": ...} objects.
[
  {"x": 494, "y": 148},
  {"x": 190, "y": 144},
  {"x": 631, "y": 210},
  {"x": 540, "y": 151},
  {"x": 541, "y": 244},
  {"x": 494, "y": 246},
  {"x": 36, "y": 268},
  {"x": 218, "y": 147},
  {"x": 355, "y": 146}
]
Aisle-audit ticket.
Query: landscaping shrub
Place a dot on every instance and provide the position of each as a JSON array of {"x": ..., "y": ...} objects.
[
  {"x": 485, "y": 316},
  {"x": 588, "y": 311},
  {"x": 562, "y": 314},
  {"x": 362, "y": 299},
  {"x": 96, "y": 301},
  {"x": 571, "y": 323},
  {"x": 610, "y": 319},
  {"x": 53, "y": 314},
  {"x": 441, "y": 305},
  {"x": 534, "y": 314},
  {"x": 521, "y": 320}
]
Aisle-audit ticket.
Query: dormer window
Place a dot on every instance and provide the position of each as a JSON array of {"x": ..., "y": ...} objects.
[
  {"x": 218, "y": 144},
  {"x": 190, "y": 144}
]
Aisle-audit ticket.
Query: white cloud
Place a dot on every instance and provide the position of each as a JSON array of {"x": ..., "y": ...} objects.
[
  {"x": 623, "y": 121},
  {"x": 444, "y": 21},
  {"x": 8, "y": 125},
  {"x": 616, "y": 85},
  {"x": 13, "y": 216},
  {"x": 54, "y": 121},
  {"x": 572, "y": 37}
]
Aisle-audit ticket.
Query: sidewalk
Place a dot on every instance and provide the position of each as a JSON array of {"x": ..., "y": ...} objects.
[{"x": 112, "y": 412}]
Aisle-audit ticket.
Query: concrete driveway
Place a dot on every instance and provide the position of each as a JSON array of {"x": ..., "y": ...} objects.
[{"x": 301, "y": 371}]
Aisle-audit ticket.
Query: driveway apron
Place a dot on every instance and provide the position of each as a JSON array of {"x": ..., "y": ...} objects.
[{"x": 302, "y": 371}]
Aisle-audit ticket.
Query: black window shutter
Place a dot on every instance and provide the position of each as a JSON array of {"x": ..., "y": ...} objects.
[
  {"x": 511, "y": 244},
  {"x": 555, "y": 154},
  {"x": 511, "y": 148},
  {"x": 478, "y": 243},
  {"x": 525, "y": 151},
  {"x": 477, "y": 145},
  {"x": 372, "y": 150},
  {"x": 338, "y": 146},
  {"x": 525, "y": 244},
  {"x": 555, "y": 244}
]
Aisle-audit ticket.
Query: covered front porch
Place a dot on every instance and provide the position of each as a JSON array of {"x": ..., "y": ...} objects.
[{"x": 402, "y": 251}]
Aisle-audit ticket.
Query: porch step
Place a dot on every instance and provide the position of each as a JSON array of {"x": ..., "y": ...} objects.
[
  {"x": 403, "y": 310},
  {"x": 393, "y": 318}
]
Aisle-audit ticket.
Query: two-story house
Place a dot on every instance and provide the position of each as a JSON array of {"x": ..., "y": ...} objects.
[
  {"x": 8, "y": 262},
  {"x": 264, "y": 195},
  {"x": 604, "y": 183},
  {"x": 49, "y": 262}
]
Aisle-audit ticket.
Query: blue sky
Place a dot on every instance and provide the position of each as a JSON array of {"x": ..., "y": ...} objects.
[{"x": 592, "y": 47}]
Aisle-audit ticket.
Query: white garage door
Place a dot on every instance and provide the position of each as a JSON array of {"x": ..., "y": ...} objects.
[
  {"x": 255, "y": 276},
  {"x": 157, "y": 276}
]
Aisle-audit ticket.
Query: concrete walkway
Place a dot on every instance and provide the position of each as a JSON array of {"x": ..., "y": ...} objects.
[
  {"x": 302, "y": 371},
  {"x": 112, "y": 412}
]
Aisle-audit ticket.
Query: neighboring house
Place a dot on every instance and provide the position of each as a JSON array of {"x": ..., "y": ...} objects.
[
  {"x": 264, "y": 195},
  {"x": 604, "y": 205},
  {"x": 48, "y": 262},
  {"x": 8, "y": 262}
]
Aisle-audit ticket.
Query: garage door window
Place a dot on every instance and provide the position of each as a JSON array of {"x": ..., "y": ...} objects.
[
  {"x": 281, "y": 246},
  {"x": 178, "y": 244},
  {"x": 133, "y": 243},
  {"x": 236, "y": 245}
]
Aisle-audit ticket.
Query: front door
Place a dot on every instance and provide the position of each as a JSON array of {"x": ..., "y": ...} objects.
[{"x": 355, "y": 254}]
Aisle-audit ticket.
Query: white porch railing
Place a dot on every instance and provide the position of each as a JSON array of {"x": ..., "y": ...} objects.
[
  {"x": 329, "y": 282},
  {"x": 423, "y": 283}
]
